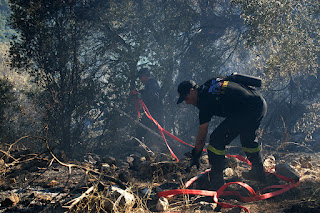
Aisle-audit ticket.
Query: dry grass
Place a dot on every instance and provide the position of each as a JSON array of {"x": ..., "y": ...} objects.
[{"x": 100, "y": 193}]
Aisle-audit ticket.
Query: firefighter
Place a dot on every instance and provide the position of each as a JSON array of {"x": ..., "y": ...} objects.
[
  {"x": 242, "y": 107},
  {"x": 151, "y": 97}
]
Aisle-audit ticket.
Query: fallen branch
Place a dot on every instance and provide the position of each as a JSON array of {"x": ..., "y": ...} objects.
[
  {"x": 145, "y": 147},
  {"x": 109, "y": 178},
  {"x": 8, "y": 155},
  {"x": 138, "y": 123},
  {"x": 128, "y": 197},
  {"x": 122, "y": 185},
  {"x": 284, "y": 144},
  {"x": 78, "y": 199}
]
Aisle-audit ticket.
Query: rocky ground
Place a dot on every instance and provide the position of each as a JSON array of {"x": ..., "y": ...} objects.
[{"x": 129, "y": 182}]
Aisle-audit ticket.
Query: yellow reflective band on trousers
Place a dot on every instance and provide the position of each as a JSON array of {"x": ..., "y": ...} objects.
[
  {"x": 216, "y": 151},
  {"x": 251, "y": 150}
]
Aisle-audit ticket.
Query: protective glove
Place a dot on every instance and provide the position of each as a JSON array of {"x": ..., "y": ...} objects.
[
  {"x": 195, "y": 157},
  {"x": 134, "y": 92}
]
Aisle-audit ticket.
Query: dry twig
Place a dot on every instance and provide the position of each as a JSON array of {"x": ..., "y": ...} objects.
[{"x": 78, "y": 199}]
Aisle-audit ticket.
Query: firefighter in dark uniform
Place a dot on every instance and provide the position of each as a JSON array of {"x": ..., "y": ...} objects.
[
  {"x": 242, "y": 107},
  {"x": 151, "y": 97}
]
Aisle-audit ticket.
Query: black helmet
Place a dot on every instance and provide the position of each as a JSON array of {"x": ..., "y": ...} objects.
[
  {"x": 184, "y": 89},
  {"x": 143, "y": 72}
]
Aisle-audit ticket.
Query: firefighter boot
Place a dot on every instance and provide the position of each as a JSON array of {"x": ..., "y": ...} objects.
[
  {"x": 257, "y": 172},
  {"x": 216, "y": 174}
]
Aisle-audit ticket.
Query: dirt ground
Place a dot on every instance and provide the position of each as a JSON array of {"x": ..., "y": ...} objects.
[{"x": 129, "y": 182}]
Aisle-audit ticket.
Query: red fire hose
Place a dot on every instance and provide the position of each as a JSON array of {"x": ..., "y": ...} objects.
[{"x": 291, "y": 183}]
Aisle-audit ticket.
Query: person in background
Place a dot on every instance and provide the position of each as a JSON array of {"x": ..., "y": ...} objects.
[
  {"x": 242, "y": 107},
  {"x": 151, "y": 97}
]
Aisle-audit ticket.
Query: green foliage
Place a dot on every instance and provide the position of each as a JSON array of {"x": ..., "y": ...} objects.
[
  {"x": 309, "y": 123},
  {"x": 285, "y": 35},
  {"x": 51, "y": 44},
  {"x": 21, "y": 116},
  {"x": 6, "y": 95},
  {"x": 5, "y": 30},
  {"x": 6, "y": 100}
]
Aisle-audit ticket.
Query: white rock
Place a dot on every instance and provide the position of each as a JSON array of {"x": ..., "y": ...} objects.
[{"x": 162, "y": 205}]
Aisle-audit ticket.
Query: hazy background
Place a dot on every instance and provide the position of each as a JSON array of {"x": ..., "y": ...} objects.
[{"x": 67, "y": 65}]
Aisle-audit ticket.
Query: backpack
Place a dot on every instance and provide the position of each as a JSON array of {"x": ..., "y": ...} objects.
[{"x": 245, "y": 80}]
